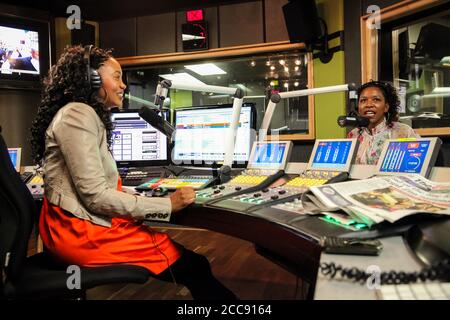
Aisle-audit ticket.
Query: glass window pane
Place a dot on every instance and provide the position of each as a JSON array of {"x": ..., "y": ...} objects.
[
  {"x": 421, "y": 71},
  {"x": 258, "y": 76}
]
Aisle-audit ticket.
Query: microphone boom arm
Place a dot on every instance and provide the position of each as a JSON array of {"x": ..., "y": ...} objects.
[{"x": 276, "y": 98}]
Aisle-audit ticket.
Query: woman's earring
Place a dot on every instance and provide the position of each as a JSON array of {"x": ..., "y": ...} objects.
[{"x": 387, "y": 116}]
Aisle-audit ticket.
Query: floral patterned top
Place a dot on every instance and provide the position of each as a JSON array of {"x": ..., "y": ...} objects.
[{"x": 371, "y": 141}]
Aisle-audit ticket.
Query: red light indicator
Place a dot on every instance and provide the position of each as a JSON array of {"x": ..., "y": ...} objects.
[{"x": 194, "y": 15}]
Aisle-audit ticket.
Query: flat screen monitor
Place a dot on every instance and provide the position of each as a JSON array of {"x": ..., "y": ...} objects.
[
  {"x": 333, "y": 154},
  {"x": 416, "y": 156},
  {"x": 270, "y": 155},
  {"x": 201, "y": 132},
  {"x": 15, "y": 154},
  {"x": 24, "y": 51},
  {"x": 136, "y": 143}
]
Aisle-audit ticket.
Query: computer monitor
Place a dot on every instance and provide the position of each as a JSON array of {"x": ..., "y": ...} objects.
[
  {"x": 333, "y": 154},
  {"x": 201, "y": 133},
  {"x": 408, "y": 156},
  {"x": 15, "y": 154},
  {"x": 136, "y": 143},
  {"x": 270, "y": 155}
]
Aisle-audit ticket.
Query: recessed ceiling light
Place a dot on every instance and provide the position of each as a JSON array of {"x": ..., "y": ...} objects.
[
  {"x": 205, "y": 69},
  {"x": 182, "y": 77}
]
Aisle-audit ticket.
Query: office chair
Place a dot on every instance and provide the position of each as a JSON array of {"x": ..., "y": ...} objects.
[{"x": 38, "y": 276}]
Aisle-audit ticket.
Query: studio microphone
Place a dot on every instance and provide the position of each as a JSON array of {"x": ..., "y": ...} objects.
[
  {"x": 155, "y": 120},
  {"x": 161, "y": 92},
  {"x": 352, "y": 121}
]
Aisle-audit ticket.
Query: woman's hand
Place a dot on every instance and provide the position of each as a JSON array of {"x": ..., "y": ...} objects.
[{"x": 182, "y": 198}]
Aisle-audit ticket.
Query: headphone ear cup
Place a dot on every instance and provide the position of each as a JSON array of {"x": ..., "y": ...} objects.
[{"x": 96, "y": 80}]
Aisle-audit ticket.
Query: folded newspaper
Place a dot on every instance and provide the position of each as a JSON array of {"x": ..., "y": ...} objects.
[{"x": 377, "y": 199}]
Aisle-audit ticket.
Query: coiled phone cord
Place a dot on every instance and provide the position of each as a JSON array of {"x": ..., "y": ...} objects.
[{"x": 438, "y": 271}]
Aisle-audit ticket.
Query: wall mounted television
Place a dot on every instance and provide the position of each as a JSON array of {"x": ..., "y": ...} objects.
[{"x": 24, "y": 52}]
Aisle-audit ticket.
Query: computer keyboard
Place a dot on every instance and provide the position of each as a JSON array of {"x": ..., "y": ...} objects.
[{"x": 415, "y": 291}]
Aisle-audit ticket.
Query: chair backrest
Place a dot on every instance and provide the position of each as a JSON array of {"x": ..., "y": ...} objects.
[{"x": 17, "y": 210}]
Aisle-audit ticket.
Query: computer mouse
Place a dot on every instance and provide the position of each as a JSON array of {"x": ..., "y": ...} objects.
[{"x": 160, "y": 192}]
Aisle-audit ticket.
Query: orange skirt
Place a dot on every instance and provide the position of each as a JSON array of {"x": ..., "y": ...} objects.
[{"x": 72, "y": 240}]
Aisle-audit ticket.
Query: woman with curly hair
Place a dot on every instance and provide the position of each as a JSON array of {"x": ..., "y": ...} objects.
[
  {"x": 86, "y": 219},
  {"x": 378, "y": 101}
]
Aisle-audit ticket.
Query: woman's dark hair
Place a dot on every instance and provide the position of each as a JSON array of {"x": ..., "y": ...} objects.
[
  {"x": 390, "y": 95},
  {"x": 67, "y": 82}
]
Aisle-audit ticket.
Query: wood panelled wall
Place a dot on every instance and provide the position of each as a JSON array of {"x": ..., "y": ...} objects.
[{"x": 229, "y": 25}]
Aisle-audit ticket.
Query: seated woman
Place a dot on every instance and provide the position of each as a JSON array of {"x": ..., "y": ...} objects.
[
  {"x": 86, "y": 219},
  {"x": 378, "y": 101}
]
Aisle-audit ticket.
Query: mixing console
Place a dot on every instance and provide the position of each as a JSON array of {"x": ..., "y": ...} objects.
[
  {"x": 173, "y": 183},
  {"x": 247, "y": 180},
  {"x": 266, "y": 165},
  {"x": 291, "y": 190}
]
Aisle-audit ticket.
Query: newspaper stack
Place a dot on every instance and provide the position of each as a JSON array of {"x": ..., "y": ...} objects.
[{"x": 390, "y": 198}]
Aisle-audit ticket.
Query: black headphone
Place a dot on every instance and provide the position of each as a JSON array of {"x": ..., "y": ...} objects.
[{"x": 92, "y": 77}]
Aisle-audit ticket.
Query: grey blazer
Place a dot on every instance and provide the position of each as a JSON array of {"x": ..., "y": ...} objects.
[{"x": 80, "y": 173}]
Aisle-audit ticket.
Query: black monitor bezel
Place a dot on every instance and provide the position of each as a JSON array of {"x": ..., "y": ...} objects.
[
  {"x": 253, "y": 118},
  {"x": 141, "y": 163},
  {"x": 28, "y": 81}
]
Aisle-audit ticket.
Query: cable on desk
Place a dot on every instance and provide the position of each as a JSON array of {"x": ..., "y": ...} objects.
[{"x": 440, "y": 270}]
